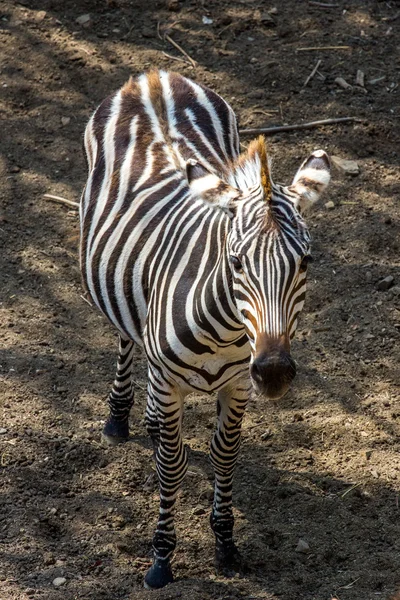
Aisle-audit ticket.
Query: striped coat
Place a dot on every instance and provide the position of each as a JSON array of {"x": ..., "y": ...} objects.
[{"x": 193, "y": 253}]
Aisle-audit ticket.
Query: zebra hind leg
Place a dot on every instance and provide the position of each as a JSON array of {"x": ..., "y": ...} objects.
[
  {"x": 224, "y": 452},
  {"x": 171, "y": 464},
  {"x": 120, "y": 400}
]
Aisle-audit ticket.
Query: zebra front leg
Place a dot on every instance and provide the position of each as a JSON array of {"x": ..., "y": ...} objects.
[
  {"x": 224, "y": 452},
  {"x": 171, "y": 464},
  {"x": 120, "y": 400}
]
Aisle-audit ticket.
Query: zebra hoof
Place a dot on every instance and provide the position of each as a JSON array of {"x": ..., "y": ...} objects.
[
  {"x": 115, "y": 433},
  {"x": 228, "y": 561},
  {"x": 159, "y": 575}
]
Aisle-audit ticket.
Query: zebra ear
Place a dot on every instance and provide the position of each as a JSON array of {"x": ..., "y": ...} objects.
[
  {"x": 311, "y": 180},
  {"x": 210, "y": 188}
]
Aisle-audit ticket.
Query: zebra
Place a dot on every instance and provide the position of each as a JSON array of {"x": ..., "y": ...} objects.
[{"x": 195, "y": 255}]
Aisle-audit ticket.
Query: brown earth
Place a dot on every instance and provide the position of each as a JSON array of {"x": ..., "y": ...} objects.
[{"x": 322, "y": 465}]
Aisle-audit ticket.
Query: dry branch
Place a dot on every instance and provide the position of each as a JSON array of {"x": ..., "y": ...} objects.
[
  {"x": 310, "y": 125},
  {"x": 61, "y": 200},
  {"x": 323, "y": 48},
  {"x": 178, "y": 47}
]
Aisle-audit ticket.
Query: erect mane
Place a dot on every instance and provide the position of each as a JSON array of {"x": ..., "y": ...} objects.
[{"x": 252, "y": 168}]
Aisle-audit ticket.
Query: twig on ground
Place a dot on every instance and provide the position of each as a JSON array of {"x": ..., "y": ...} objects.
[
  {"x": 311, "y": 75},
  {"x": 323, "y": 48},
  {"x": 323, "y": 4},
  {"x": 311, "y": 125},
  {"x": 86, "y": 300},
  {"x": 353, "y": 487},
  {"x": 61, "y": 200},
  {"x": 176, "y": 58},
  {"x": 178, "y": 47}
]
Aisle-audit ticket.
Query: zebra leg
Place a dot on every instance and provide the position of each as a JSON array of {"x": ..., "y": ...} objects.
[
  {"x": 120, "y": 400},
  {"x": 171, "y": 464},
  {"x": 224, "y": 452}
]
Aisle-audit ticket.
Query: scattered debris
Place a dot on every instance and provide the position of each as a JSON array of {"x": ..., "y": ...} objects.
[
  {"x": 385, "y": 283},
  {"x": 343, "y": 83},
  {"x": 349, "y": 167},
  {"x": 302, "y": 546}
]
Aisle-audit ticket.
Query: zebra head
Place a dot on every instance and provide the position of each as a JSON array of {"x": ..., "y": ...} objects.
[{"x": 268, "y": 250}]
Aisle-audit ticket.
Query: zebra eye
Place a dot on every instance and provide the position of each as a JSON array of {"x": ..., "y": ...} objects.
[
  {"x": 237, "y": 265},
  {"x": 305, "y": 262}
]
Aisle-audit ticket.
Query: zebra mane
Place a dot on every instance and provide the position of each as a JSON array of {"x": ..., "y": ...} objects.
[{"x": 252, "y": 168}]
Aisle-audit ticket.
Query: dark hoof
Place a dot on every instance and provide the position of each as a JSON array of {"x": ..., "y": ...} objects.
[
  {"x": 115, "y": 432},
  {"x": 228, "y": 561},
  {"x": 159, "y": 575}
]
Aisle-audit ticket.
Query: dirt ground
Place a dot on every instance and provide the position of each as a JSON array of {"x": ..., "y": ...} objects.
[{"x": 321, "y": 465}]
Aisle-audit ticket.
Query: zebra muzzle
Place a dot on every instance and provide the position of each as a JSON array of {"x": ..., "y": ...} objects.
[{"x": 272, "y": 371}]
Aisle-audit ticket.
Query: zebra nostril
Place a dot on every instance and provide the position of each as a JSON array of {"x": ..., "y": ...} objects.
[{"x": 256, "y": 372}]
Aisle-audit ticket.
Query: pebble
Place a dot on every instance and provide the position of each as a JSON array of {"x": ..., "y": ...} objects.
[
  {"x": 368, "y": 276},
  {"x": 83, "y": 20},
  {"x": 59, "y": 581},
  {"x": 199, "y": 510},
  {"x": 3, "y": 430},
  {"x": 385, "y": 284},
  {"x": 396, "y": 290},
  {"x": 65, "y": 121},
  {"x": 329, "y": 205},
  {"x": 15, "y": 169},
  {"x": 349, "y": 167},
  {"x": 302, "y": 546}
]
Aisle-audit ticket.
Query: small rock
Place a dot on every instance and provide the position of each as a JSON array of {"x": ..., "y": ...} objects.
[
  {"x": 255, "y": 94},
  {"x": 173, "y": 5},
  {"x": 375, "y": 473},
  {"x": 207, "y": 21},
  {"x": 3, "y": 430},
  {"x": 349, "y": 167},
  {"x": 199, "y": 510},
  {"x": 40, "y": 16},
  {"x": 65, "y": 121},
  {"x": 385, "y": 284},
  {"x": 302, "y": 546},
  {"x": 396, "y": 290},
  {"x": 329, "y": 205},
  {"x": 59, "y": 581},
  {"x": 368, "y": 454},
  {"x": 267, "y": 434},
  {"x": 147, "y": 32},
  {"x": 83, "y": 20},
  {"x": 207, "y": 494},
  {"x": 48, "y": 559},
  {"x": 15, "y": 169},
  {"x": 368, "y": 276}
]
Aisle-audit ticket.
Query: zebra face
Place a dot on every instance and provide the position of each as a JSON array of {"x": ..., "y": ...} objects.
[
  {"x": 268, "y": 256},
  {"x": 268, "y": 250}
]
